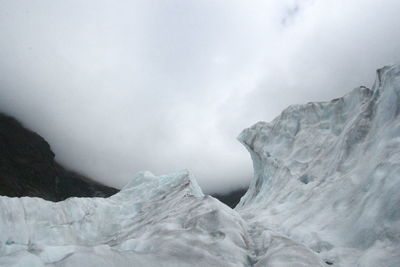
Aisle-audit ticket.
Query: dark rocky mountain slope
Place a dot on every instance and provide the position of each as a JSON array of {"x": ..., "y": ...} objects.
[
  {"x": 231, "y": 198},
  {"x": 28, "y": 168}
]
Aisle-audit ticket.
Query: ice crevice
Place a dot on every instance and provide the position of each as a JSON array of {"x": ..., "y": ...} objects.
[{"x": 324, "y": 192}]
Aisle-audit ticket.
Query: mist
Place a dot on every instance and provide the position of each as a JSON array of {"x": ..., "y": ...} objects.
[{"x": 121, "y": 87}]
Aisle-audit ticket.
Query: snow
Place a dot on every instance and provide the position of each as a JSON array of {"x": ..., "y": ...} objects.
[
  {"x": 325, "y": 191},
  {"x": 327, "y": 175}
]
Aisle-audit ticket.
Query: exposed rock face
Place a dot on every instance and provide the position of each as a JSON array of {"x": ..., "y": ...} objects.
[
  {"x": 231, "y": 198},
  {"x": 27, "y": 168},
  {"x": 328, "y": 175}
]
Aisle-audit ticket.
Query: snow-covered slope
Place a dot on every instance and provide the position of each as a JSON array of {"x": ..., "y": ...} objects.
[{"x": 328, "y": 175}]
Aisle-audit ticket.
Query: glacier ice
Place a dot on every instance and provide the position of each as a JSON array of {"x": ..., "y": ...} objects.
[
  {"x": 328, "y": 175},
  {"x": 153, "y": 221},
  {"x": 325, "y": 192}
]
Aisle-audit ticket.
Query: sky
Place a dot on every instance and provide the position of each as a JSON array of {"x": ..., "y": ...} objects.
[{"x": 118, "y": 87}]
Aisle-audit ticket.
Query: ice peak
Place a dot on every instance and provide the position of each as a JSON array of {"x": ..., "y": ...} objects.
[
  {"x": 147, "y": 185},
  {"x": 384, "y": 73}
]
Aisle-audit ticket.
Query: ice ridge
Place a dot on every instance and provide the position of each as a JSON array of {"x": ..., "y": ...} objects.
[{"x": 327, "y": 175}]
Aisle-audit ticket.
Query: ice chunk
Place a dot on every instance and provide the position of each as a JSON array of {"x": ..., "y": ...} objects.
[{"x": 346, "y": 154}]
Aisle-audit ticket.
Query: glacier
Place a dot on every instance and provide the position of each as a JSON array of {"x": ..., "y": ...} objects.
[
  {"x": 327, "y": 175},
  {"x": 325, "y": 192},
  {"x": 153, "y": 221}
]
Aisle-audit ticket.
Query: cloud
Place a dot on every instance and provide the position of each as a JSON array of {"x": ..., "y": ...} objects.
[{"x": 119, "y": 87}]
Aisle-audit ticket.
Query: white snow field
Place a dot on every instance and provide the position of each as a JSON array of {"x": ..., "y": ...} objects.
[{"x": 326, "y": 192}]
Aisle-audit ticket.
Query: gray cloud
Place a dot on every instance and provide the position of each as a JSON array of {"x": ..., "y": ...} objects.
[{"x": 119, "y": 87}]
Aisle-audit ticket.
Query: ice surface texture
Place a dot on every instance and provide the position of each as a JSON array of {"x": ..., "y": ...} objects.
[
  {"x": 328, "y": 175},
  {"x": 325, "y": 192},
  {"x": 153, "y": 221}
]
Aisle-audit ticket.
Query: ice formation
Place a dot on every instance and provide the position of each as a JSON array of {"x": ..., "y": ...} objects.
[
  {"x": 325, "y": 192},
  {"x": 328, "y": 175},
  {"x": 153, "y": 221}
]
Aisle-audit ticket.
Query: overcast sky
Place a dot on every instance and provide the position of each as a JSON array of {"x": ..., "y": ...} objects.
[{"x": 118, "y": 87}]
